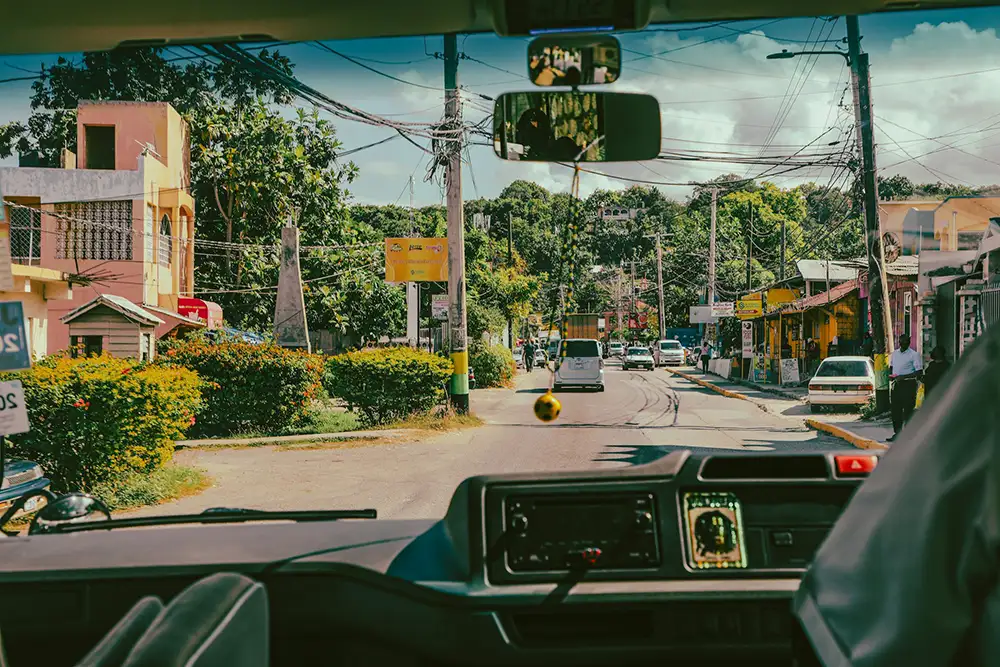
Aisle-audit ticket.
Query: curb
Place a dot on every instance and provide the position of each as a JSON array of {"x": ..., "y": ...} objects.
[
  {"x": 830, "y": 429},
  {"x": 842, "y": 433},
  {"x": 714, "y": 387}
]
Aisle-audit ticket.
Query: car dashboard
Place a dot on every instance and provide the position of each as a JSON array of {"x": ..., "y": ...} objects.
[{"x": 692, "y": 559}]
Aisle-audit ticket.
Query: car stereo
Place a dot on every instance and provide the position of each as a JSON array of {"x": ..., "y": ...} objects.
[{"x": 552, "y": 533}]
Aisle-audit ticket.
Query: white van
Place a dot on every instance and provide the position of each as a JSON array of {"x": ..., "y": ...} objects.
[
  {"x": 671, "y": 353},
  {"x": 581, "y": 365}
]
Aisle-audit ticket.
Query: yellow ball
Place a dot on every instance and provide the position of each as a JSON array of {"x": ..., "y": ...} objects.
[{"x": 547, "y": 407}]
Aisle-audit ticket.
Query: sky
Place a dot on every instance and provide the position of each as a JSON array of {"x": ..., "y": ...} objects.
[{"x": 936, "y": 98}]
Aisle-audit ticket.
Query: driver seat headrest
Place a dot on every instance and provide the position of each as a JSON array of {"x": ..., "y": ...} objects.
[{"x": 220, "y": 621}]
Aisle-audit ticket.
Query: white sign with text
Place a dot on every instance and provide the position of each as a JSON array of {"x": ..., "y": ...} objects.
[{"x": 13, "y": 412}]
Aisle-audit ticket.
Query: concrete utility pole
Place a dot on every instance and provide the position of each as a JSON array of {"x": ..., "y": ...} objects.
[
  {"x": 510, "y": 263},
  {"x": 290, "y": 329},
  {"x": 412, "y": 294},
  {"x": 878, "y": 291},
  {"x": 632, "y": 295},
  {"x": 711, "y": 248},
  {"x": 456, "y": 233},
  {"x": 781, "y": 270},
  {"x": 659, "y": 284},
  {"x": 750, "y": 252}
]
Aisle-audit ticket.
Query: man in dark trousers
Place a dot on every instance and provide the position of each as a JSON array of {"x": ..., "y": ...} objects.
[
  {"x": 905, "y": 369},
  {"x": 529, "y": 355}
]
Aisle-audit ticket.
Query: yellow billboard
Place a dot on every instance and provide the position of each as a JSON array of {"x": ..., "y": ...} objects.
[
  {"x": 748, "y": 309},
  {"x": 416, "y": 260}
]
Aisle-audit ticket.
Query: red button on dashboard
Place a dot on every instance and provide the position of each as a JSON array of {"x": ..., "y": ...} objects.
[
  {"x": 591, "y": 555},
  {"x": 855, "y": 465}
]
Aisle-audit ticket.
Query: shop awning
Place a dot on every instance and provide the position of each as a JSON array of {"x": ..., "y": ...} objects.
[
  {"x": 819, "y": 300},
  {"x": 198, "y": 309}
]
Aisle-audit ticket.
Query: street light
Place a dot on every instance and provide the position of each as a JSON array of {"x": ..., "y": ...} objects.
[
  {"x": 787, "y": 55},
  {"x": 877, "y": 280}
]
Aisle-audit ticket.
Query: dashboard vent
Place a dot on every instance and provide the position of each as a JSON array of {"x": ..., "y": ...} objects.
[
  {"x": 541, "y": 629},
  {"x": 765, "y": 467}
]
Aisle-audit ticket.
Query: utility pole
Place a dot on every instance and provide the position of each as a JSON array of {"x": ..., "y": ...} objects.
[
  {"x": 659, "y": 285},
  {"x": 750, "y": 252},
  {"x": 781, "y": 269},
  {"x": 291, "y": 329},
  {"x": 456, "y": 233},
  {"x": 711, "y": 248},
  {"x": 878, "y": 296},
  {"x": 632, "y": 307},
  {"x": 510, "y": 263}
]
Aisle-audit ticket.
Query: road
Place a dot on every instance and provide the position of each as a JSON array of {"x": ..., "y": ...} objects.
[{"x": 641, "y": 417}]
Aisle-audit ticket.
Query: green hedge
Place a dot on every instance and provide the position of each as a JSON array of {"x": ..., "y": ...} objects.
[
  {"x": 493, "y": 365},
  {"x": 99, "y": 420},
  {"x": 254, "y": 388},
  {"x": 387, "y": 385}
]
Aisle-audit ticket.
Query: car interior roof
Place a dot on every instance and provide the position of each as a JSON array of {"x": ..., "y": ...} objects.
[{"x": 61, "y": 26}]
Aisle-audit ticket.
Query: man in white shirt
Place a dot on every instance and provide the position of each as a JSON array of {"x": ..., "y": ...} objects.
[{"x": 905, "y": 368}]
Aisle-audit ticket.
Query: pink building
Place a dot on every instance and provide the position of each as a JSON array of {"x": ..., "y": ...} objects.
[{"x": 119, "y": 216}]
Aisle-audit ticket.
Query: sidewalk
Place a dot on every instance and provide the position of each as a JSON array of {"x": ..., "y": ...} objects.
[{"x": 792, "y": 403}]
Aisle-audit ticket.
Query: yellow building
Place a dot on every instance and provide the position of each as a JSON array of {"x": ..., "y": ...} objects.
[{"x": 35, "y": 287}]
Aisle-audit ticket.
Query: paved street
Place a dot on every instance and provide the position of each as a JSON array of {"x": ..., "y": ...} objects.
[{"x": 641, "y": 417}]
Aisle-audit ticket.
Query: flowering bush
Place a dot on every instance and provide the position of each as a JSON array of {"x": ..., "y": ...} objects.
[
  {"x": 100, "y": 419},
  {"x": 249, "y": 388},
  {"x": 388, "y": 384},
  {"x": 493, "y": 365}
]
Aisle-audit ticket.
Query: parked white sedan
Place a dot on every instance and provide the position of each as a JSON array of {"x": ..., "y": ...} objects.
[{"x": 842, "y": 381}]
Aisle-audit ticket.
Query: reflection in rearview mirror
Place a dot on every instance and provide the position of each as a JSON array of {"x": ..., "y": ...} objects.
[
  {"x": 574, "y": 61},
  {"x": 576, "y": 127}
]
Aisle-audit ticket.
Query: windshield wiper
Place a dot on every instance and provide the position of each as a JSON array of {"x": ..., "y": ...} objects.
[{"x": 218, "y": 515}]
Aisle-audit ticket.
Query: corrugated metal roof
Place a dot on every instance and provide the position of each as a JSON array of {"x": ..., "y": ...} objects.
[
  {"x": 815, "y": 269},
  {"x": 118, "y": 303}
]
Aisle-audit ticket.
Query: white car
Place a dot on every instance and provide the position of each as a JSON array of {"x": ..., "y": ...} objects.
[
  {"x": 842, "y": 381},
  {"x": 518, "y": 354},
  {"x": 581, "y": 366},
  {"x": 540, "y": 358},
  {"x": 638, "y": 357},
  {"x": 671, "y": 353},
  {"x": 616, "y": 350}
]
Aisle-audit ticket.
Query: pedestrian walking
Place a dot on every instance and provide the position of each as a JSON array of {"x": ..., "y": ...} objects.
[
  {"x": 529, "y": 355},
  {"x": 904, "y": 370},
  {"x": 935, "y": 370},
  {"x": 706, "y": 354}
]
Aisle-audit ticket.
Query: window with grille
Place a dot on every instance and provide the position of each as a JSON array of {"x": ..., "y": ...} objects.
[
  {"x": 166, "y": 242},
  {"x": 25, "y": 235},
  {"x": 94, "y": 230}
]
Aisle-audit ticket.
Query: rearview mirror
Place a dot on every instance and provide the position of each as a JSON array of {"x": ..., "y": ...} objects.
[
  {"x": 574, "y": 61},
  {"x": 576, "y": 127}
]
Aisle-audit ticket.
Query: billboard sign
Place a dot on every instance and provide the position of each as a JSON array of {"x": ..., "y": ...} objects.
[
  {"x": 416, "y": 260},
  {"x": 748, "y": 309},
  {"x": 439, "y": 306},
  {"x": 701, "y": 315},
  {"x": 723, "y": 309}
]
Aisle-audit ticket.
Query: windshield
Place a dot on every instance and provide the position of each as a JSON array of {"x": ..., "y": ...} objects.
[
  {"x": 843, "y": 368},
  {"x": 581, "y": 348},
  {"x": 251, "y": 250}
]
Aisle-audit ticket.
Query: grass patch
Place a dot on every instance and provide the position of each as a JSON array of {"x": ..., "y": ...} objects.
[
  {"x": 443, "y": 421},
  {"x": 322, "y": 419},
  {"x": 160, "y": 486}
]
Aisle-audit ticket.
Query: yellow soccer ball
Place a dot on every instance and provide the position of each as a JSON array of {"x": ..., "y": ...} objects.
[{"x": 547, "y": 407}]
